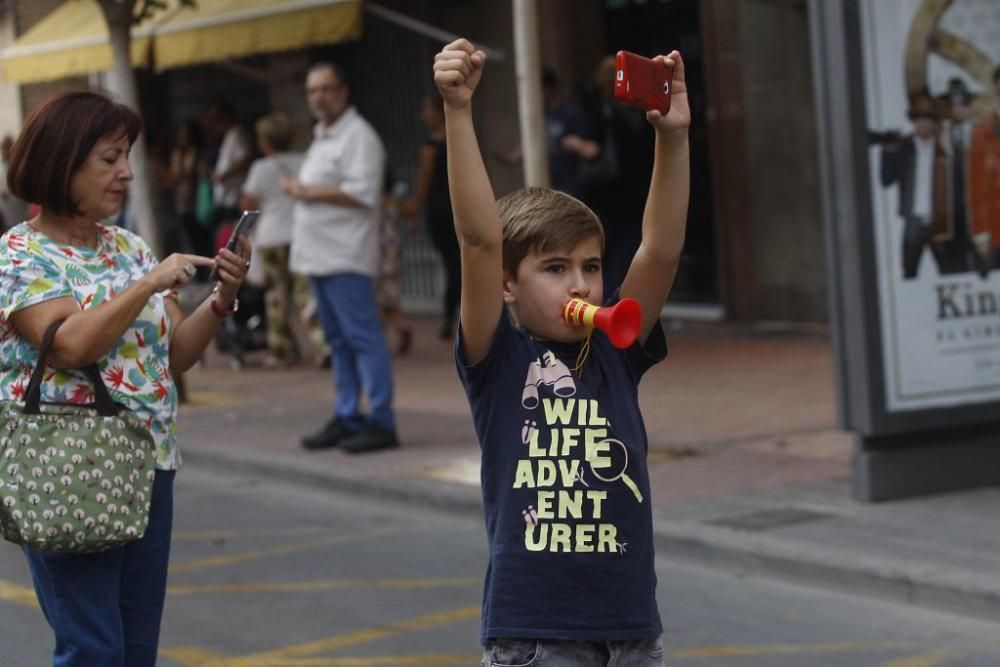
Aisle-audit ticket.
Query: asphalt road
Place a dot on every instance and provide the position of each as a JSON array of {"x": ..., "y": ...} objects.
[{"x": 264, "y": 573}]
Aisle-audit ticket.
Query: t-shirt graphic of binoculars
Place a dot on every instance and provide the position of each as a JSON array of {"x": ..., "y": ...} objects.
[{"x": 552, "y": 373}]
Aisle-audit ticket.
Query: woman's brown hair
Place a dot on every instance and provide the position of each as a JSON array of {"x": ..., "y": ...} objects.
[{"x": 56, "y": 139}]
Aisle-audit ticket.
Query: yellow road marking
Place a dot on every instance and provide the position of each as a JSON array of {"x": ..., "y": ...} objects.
[
  {"x": 290, "y": 656},
  {"x": 400, "y": 661},
  {"x": 202, "y": 399},
  {"x": 190, "y": 656},
  {"x": 789, "y": 649},
  {"x": 285, "y": 549},
  {"x": 25, "y": 596},
  {"x": 931, "y": 659},
  {"x": 21, "y": 595},
  {"x": 282, "y": 657},
  {"x": 325, "y": 585},
  {"x": 437, "y": 660},
  {"x": 197, "y": 535}
]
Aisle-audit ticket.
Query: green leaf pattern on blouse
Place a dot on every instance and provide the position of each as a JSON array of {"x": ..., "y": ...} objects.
[{"x": 34, "y": 268}]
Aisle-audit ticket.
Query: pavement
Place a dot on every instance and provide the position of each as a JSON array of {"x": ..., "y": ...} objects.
[{"x": 748, "y": 468}]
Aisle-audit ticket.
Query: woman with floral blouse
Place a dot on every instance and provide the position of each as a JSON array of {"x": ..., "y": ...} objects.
[{"x": 120, "y": 309}]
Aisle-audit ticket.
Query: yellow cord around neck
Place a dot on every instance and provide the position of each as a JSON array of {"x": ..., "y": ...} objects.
[{"x": 581, "y": 358}]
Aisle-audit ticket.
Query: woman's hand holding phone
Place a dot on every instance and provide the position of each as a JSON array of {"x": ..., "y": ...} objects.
[
  {"x": 233, "y": 261},
  {"x": 231, "y": 268},
  {"x": 241, "y": 232}
]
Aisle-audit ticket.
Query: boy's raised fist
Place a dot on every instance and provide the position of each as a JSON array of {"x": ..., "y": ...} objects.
[{"x": 457, "y": 70}]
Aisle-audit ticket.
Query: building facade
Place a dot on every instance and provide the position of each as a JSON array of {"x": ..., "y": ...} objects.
[{"x": 754, "y": 248}]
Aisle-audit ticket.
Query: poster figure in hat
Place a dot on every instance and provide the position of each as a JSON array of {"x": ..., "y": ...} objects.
[
  {"x": 918, "y": 165},
  {"x": 956, "y": 252},
  {"x": 984, "y": 180}
]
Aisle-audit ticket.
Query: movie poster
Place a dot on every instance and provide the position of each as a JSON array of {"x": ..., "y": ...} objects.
[{"x": 932, "y": 85}]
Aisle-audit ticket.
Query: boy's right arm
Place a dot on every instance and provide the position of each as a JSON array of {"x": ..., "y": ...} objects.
[{"x": 457, "y": 70}]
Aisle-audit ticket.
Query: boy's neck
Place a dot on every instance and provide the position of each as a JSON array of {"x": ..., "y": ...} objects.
[{"x": 517, "y": 323}]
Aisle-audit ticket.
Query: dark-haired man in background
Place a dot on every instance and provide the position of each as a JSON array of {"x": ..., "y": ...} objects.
[{"x": 335, "y": 243}]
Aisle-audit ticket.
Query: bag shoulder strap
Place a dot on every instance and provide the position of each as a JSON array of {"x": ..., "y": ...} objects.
[{"x": 33, "y": 396}]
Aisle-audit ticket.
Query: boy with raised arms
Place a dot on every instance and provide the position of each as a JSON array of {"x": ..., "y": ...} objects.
[{"x": 570, "y": 579}]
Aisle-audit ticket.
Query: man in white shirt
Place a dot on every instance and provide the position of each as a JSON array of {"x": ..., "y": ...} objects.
[{"x": 335, "y": 243}]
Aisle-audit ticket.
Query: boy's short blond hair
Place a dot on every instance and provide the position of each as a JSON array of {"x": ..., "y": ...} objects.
[
  {"x": 543, "y": 220},
  {"x": 276, "y": 127}
]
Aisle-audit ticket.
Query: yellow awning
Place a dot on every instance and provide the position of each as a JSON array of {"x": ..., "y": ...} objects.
[
  {"x": 73, "y": 39},
  {"x": 222, "y": 29}
]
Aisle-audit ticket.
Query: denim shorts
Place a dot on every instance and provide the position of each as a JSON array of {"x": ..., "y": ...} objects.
[{"x": 572, "y": 653}]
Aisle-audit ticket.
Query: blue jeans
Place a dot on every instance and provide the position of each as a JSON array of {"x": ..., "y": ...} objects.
[
  {"x": 572, "y": 653},
  {"x": 105, "y": 608},
  {"x": 348, "y": 313}
]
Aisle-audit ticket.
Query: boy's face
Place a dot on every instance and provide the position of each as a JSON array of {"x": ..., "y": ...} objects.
[{"x": 546, "y": 281}]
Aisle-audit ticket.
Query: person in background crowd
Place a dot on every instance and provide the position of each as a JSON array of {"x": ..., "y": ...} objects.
[
  {"x": 566, "y": 141},
  {"x": 335, "y": 242},
  {"x": 6, "y": 215},
  {"x": 232, "y": 163},
  {"x": 287, "y": 294},
  {"x": 615, "y": 182},
  {"x": 389, "y": 285},
  {"x": 431, "y": 197},
  {"x": 110, "y": 291},
  {"x": 186, "y": 167},
  {"x": 12, "y": 209}
]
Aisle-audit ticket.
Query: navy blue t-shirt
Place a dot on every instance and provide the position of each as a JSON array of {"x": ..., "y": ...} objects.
[{"x": 565, "y": 487}]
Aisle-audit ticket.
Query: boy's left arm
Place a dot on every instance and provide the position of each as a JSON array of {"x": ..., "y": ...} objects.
[{"x": 654, "y": 266}]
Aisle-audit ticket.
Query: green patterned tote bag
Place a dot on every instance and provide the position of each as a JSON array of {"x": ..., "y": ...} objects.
[{"x": 73, "y": 478}]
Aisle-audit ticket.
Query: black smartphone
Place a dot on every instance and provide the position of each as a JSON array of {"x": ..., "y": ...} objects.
[{"x": 243, "y": 227}]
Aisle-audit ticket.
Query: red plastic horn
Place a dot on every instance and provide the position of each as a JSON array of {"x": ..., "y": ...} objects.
[{"x": 620, "y": 322}]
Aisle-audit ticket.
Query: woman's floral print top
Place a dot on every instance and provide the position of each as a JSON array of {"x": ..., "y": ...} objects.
[{"x": 34, "y": 268}]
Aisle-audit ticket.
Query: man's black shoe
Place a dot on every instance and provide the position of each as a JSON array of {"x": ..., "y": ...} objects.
[
  {"x": 331, "y": 435},
  {"x": 370, "y": 439}
]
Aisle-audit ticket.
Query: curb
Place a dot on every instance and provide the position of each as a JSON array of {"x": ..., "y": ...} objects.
[
  {"x": 910, "y": 582},
  {"x": 452, "y": 498}
]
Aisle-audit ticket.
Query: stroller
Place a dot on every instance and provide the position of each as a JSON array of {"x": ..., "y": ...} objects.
[{"x": 246, "y": 330}]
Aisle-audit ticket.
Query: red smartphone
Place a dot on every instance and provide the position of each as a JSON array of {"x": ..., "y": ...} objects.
[{"x": 641, "y": 82}]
